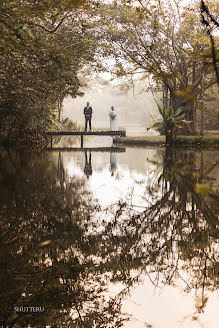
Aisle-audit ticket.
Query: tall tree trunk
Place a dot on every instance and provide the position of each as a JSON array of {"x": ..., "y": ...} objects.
[
  {"x": 202, "y": 122},
  {"x": 59, "y": 109},
  {"x": 165, "y": 96},
  {"x": 169, "y": 137},
  {"x": 187, "y": 103},
  {"x": 202, "y": 114},
  {"x": 189, "y": 110},
  {"x": 193, "y": 106}
]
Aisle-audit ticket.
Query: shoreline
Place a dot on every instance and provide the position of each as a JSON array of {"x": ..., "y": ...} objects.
[
  {"x": 184, "y": 142},
  {"x": 211, "y": 141}
]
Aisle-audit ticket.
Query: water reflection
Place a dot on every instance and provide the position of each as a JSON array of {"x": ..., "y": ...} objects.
[
  {"x": 113, "y": 164},
  {"x": 62, "y": 249},
  {"x": 49, "y": 248},
  {"x": 88, "y": 165}
]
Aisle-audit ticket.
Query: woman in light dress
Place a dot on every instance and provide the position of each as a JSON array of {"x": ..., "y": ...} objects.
[{"x": 112, "y": 115}]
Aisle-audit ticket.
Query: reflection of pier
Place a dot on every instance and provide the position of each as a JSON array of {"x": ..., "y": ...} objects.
[
  {"x": 98, "y": 149},
  {"x": 85, "y": 133}
]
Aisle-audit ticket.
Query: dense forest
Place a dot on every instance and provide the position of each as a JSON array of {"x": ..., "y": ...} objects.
[{"x": 49, "y": 48}]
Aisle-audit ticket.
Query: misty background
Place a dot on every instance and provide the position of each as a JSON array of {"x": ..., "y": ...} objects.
[{"x": 135, "y": 106}]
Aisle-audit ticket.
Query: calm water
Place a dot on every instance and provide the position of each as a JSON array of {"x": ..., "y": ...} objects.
[{"x": 109, "y": 239}]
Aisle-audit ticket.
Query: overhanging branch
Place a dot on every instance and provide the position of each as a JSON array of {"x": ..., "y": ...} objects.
[{"x": 55, "y": 29}]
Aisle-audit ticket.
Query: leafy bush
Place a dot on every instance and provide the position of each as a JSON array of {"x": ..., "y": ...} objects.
[{"x": 170, "y": 121}]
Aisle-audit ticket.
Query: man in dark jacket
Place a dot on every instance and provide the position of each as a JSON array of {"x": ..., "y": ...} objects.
[{"x": 88, "y": 115}]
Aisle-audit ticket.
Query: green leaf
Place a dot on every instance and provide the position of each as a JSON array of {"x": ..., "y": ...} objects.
[{"x": 178, "y": 111}]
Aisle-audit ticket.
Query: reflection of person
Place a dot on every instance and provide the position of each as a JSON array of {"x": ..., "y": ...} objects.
[
  {"x": 112, "y": 115},
  {"x": 88, "y": 166},
  {"x": 88, "y": 115},
  {"x": 113, "y": 165}
]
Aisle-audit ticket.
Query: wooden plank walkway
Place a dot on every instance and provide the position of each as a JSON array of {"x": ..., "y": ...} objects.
[
  {"x": 94, "y": 149},
  {"x": 85, "y": 133}
]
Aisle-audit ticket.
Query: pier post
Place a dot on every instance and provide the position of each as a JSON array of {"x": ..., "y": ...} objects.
[{"x": 82, "y": 140}]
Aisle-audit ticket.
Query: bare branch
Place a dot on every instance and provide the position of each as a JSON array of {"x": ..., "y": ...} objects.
[{"x": 55, "y": 29}]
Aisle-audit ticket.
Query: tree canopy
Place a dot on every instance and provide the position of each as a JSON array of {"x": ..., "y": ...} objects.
[
  {"x": 164, "y": 41},
  {"x": 44, "y": 45}
]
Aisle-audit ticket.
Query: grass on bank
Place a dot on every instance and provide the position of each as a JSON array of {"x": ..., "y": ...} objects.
[
  {"x": 197, "y": 141},
  {"x": 144, "y": 141},
  {"x": 209, "y": 140}
]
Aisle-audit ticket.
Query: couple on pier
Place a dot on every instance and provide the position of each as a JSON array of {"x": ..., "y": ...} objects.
[{"x": 88, "y": 111}]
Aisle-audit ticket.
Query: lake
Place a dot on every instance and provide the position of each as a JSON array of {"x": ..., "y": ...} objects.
[{"x": 117, "y": 238}]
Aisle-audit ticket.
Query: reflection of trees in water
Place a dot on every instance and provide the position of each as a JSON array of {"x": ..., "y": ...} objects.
[
  {"x": 176, "y": 236},
  {"x": 55, "y": 255},
  {"x": 49, "y": 249}
]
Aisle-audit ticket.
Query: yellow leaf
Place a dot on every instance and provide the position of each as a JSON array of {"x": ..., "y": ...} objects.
[
  {"x": 202, "y": 189},
  {"x": 44, "y": 243},
  {"x": 196, "y": 175}
]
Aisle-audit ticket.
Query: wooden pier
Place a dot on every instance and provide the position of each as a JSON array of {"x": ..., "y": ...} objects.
[
  {"x": 90, "y": 149},
  {"x": 85, "y": 133}
]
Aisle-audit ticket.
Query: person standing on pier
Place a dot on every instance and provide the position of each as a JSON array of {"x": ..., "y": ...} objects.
[
  {"x": 88, "y": 115},
  {"x": 112, "y": 115}
]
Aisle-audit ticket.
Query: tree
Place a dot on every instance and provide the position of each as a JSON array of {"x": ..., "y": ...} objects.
[
  {"x": 42, "y": 52},
  {"x": 208, "y": 23},
  {"x": 165, "y": 42}
]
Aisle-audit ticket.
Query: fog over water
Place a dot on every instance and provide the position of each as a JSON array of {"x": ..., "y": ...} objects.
[{"x": 135, "y": 106}]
